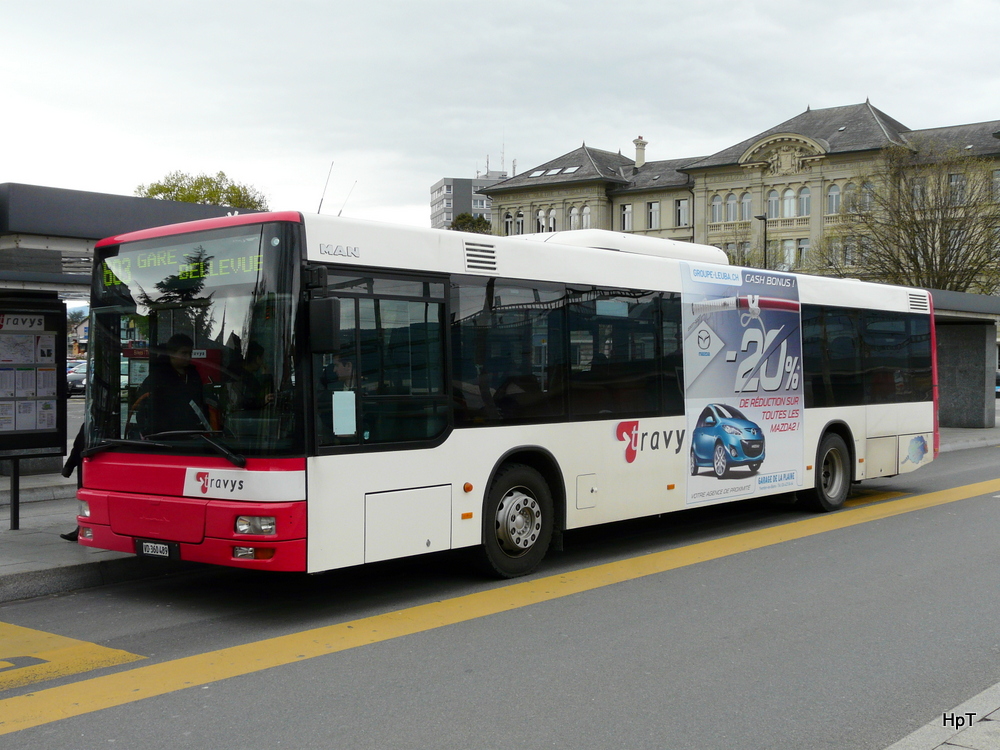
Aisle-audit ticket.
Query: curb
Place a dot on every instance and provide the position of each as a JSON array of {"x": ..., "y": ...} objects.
[
  {"x": 35, "y": 583},
  {"x": 38, "y": 494}
]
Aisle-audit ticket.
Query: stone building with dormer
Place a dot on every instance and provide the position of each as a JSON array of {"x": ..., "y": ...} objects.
[{"x": 787, "y": 183}]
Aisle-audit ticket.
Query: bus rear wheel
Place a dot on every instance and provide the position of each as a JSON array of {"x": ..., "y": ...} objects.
[
  {"x": 518, "y": 520},
  {"x": 833, "y": 474}
]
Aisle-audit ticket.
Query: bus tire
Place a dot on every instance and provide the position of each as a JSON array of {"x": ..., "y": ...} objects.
[
  {"x": 833, "y": 474},
  {"x": 518, "y": 521}
]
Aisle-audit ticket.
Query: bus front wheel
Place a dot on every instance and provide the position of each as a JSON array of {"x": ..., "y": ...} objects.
[
  {"x": 518, "y": 519},
  {"x": 833, "y": 474}
]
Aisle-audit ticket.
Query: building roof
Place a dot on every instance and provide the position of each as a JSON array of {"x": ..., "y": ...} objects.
[
  {"x": 584, "y": 164},
  {"x": 657, "y": 174},
  {"x": 55, "y": 212},
  {"x": 856, "y": 127},
  {"x": 981, "y": 136}
]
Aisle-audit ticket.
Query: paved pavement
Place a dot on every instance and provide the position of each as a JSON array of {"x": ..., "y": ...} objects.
[{"x": 35, "y": 561}]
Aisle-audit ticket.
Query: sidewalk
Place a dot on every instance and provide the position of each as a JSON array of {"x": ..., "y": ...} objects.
[{"x": 35, "y": 561}]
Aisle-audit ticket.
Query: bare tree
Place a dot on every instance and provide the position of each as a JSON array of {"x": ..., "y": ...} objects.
[{"x": 926, "y": 215}]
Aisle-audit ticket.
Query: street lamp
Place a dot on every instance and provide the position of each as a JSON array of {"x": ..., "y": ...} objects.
[{"x": 763, "y": 218}]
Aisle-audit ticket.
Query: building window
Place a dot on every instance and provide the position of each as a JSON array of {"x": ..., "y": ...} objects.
[
  {"x": 552, "y": 220},
  {"x": 653, "y": 215},
  {"x": 626, "y": 223},
  {"x": 788, "y": 251},
  {"x": 447, "y": 203},
  {"x": 850, "y": 250},
  {"x": 508, "y": 224},
  {"x": 539, "y": 222},
  {"x": 833, "y": 200},
  {"x": 867, "y": 196},
  {"x": 788, "y": 203},
  {"x": 574, "y": 218},
  {"x": 803, "y": 252},
  {"x": 519, "y": 224},
  {"x": 478, "y": 203},
  {"x": 586, "y": 218},
  {"x": 805, "y": 201},
  {"x": 746, "y": 207},
  {"x": 849, "y": 197},
  {"x": 716, "y": 209},
  {"x": 773, "y": 205},
  {"x": 731, "y": 211},
  {"x": 682, "y": 213},
  {"x": 447, "y": 189},
  {"x": 956, "y": 189}
]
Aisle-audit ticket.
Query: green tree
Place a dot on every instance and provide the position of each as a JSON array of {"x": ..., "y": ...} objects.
[
  {"x": 76, "y": 316},
  {"x": 217, "y": 190},
  {"x": 469, "y": 223}
]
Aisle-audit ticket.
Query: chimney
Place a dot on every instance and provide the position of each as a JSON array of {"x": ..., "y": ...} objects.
[{"x": 640, "y": 152}]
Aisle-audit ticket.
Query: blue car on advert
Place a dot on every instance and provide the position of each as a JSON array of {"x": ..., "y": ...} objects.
[{"x": 724, "y": 438}]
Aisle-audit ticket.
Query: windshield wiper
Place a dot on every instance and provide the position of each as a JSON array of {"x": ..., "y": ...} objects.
[
  {"x": 206, "y": 435},
  {"x": 109, "y": 443}
]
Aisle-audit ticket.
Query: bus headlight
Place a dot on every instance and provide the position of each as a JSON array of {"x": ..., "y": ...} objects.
[
  {"x": 256, "y": 525},
  {"x": 83, "y": 509}
]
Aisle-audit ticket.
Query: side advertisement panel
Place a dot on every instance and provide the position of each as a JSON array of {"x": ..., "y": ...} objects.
[{"x": 743, "y": 382}]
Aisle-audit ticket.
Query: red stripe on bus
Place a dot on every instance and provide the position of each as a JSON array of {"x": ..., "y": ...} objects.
[{"x": 202, "y": 225}]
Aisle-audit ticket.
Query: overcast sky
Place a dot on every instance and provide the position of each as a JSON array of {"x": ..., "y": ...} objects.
[{"x": 107, "y": 95}]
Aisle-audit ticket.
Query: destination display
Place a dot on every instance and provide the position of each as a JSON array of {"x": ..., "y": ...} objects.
[{"x": 174, "y": 267}]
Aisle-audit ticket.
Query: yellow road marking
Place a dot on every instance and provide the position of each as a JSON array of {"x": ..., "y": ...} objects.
[
  {"x": 95, "y": 694},
  {"x": 865, "y": 498},
  {"x": 28, "y": 656}
]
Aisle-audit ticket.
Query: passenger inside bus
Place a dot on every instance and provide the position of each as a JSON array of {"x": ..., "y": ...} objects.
[
  {"x": 340, "y": 375},
  {"x": 256, "y": 387},
  {"x": 171, "y": 397}
]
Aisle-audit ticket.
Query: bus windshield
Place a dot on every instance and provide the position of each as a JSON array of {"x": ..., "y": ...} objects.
[{"x": 192, "y": 344}]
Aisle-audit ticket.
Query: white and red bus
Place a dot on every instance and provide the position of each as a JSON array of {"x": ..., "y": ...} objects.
[{"x": 347, "y": 392}]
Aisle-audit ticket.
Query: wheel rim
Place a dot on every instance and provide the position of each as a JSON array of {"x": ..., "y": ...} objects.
[
  {"x": 832, "y": 474},
  {"x": 519, "y": 522},
  {"x": 720, "y": 460}
]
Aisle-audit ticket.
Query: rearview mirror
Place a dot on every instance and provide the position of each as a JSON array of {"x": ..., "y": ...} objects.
[{"x": 324, "y": 324}]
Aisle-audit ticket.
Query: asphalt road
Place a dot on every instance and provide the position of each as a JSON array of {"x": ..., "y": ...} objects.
[{"x": 748, "y": 626}]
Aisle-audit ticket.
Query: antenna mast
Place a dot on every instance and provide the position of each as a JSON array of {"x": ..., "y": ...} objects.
[
  {"x": 324, "y": 188},
  {"x": 347, "y": 198}
]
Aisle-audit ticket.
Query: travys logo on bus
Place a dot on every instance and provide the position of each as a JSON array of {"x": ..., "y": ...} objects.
[
  {"x": 207, "y": 481},
  {"x": 637, "y": 440}
]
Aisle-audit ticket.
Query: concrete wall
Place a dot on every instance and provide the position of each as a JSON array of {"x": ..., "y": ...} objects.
[{"x": 966, "y": 365}]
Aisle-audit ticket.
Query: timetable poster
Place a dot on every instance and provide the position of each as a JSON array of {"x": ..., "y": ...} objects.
[
  {"x": 6, "y": 416},
  {"x": 29, "y": 375}
]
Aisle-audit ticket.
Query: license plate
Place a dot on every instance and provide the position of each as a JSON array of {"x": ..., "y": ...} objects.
[{"x": 165, "y": 550}]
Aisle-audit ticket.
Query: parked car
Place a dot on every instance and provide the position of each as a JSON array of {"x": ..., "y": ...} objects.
[
  {"x": 76, "y": 380},
  {"x": 71, "y": 363},
  {"x": 724, "y": 438}
]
